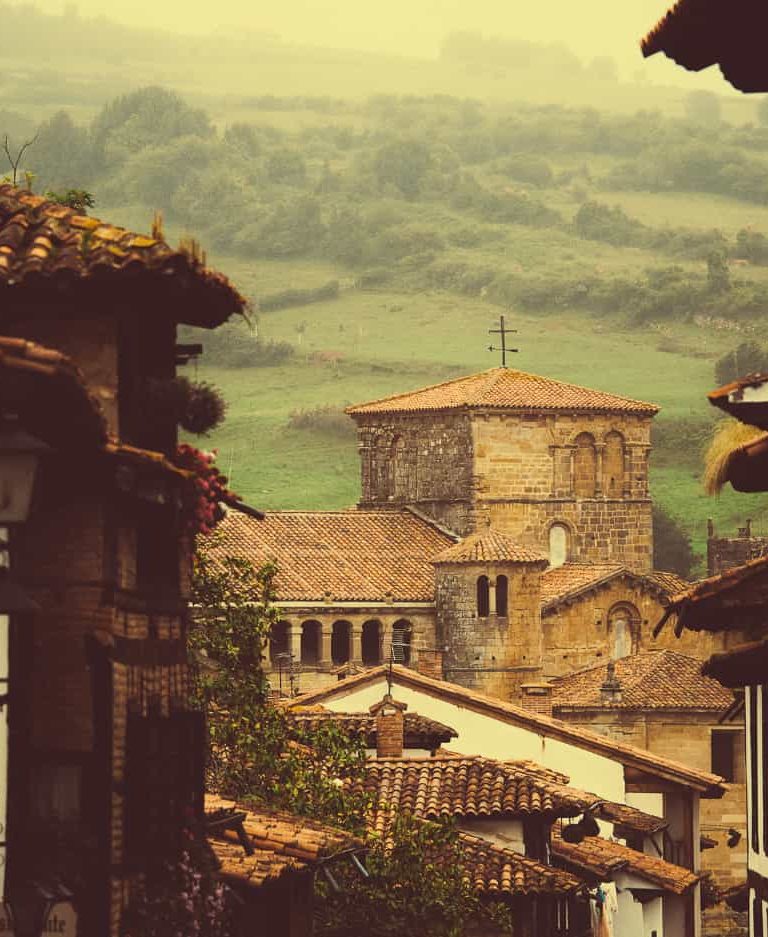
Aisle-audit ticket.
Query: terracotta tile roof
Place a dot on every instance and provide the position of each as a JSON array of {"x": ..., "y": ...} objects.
[
  {"x": 630, "y": 818},
  {"x": 506, "y": 389},
  {"x": 697, "y": 34},
  {"x": 50, "y": 395},
  {"x": 356, "y": 555},
  {"x": 655, "y": 679},
  {"x": 488, "y": 546},
  {"x": 419, "y": 731},
  {"x": 603, "y": 858},
  {"x": 566, "y": 582},
  {"x": 282, "y": 841},
  {"x": 732, "y": 599},
  {"x": 431, "y": 788},
  {"x": 45, "y": 246},
  {"x": 494, "y": 871},
  {"x": 709, "y": 785}
]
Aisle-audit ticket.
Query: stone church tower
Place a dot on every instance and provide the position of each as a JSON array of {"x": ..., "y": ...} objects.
[{"x": 560, "y": 468}]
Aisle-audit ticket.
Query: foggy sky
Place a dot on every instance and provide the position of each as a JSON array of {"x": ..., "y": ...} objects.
[{"x": 590, "y": 27}]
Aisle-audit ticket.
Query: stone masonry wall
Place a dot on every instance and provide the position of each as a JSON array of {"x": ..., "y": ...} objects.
[
  {"x": 525, "y": 480},
  {"x": 724, "y": 553},
  {"x": 580, "y": 633},
  {"x": 494, "y": 654},
  {"x": 424, "y": 460}
]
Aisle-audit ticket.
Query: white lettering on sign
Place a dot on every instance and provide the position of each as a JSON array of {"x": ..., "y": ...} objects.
[{"x": 62, "y": 921}]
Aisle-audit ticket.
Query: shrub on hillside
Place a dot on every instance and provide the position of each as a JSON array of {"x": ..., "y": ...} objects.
[
  {"x": 745, "y": 358},
  {"x": 671, "y": 545},
  {"x": 297, "y": 297},
  {"x": 326, "y": 420}
]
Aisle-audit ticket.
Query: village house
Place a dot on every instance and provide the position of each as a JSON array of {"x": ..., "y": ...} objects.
[
  {"x": 733, "y": 602},
  {"x": 664, "y": 792}
]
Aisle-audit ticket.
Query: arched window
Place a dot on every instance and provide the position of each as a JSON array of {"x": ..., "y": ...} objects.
[
  {"x": 558, "y": 545},
  {"x": 341, "y": 642},
  {"x": 623, "y": 630},
  {"x": 280, "y": 639},
  {"x": 502, "y": 596},
  {"x": 310, "y": 642},
  {"x": 585, "y": 467},
  {"x": 371, "y": 643},
  {"x": 613, "y": 465},
  {"x": 401, "y": 641},
  {"x": 483, "y": 597}
]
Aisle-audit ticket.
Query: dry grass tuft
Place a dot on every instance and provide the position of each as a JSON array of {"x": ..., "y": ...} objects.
[{"x": 729, "y": 437}]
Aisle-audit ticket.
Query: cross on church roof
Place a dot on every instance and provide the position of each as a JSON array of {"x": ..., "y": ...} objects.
[{"x": 503, "y": 332}]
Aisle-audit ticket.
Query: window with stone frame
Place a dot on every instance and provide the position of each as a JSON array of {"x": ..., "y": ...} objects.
[
  {"x": 341, "y": 642},
  {"x": 371, "y": 642},
  {"x": 613, "y": 465},
  {"x": 726, "y": 748},
  {"x": 585, "y": 466},
  {"x": 623, "y": 630},
  {"x": 558, "y": 545},
  {"x": 310, "y": 642}
]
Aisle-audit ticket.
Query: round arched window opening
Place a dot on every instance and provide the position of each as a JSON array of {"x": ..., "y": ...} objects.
[
  {"x": 558, "y": 545},
  {"x": 483, "y": 597},
  {"x": 623, "y": 630}
]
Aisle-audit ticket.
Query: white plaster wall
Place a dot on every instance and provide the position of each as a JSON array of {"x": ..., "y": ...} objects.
[
  {"x": 480, "y": 734},
  {"x": 629, "y": 922},
  {"x": 506, "y": 833},
  {"x": 653, "y": 918}
]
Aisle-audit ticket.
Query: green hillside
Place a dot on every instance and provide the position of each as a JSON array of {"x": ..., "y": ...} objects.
[{"x": 379, "y": 235}]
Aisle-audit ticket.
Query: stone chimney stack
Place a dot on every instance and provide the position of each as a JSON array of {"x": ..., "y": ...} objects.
[
  {"x": 610, "y": 691},
  {"x": 390, "y": 727}
]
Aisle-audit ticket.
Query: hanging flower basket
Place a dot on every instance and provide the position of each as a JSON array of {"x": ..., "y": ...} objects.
[
  {"x": 202, "y": 507},
  {"x": 196, "y": 406}
]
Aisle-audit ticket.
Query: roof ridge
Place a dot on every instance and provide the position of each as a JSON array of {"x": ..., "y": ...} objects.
[{"x": 408, "y": 393}]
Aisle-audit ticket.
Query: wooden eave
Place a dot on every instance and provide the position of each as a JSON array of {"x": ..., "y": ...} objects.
[{"x": 744, "y": 665}]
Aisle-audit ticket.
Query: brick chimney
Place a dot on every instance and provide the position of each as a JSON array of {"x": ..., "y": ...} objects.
[
  {"x": 537, "y": 697},
  {"x": 390, "y": 727},
  {"x": 610, "y": 691}
]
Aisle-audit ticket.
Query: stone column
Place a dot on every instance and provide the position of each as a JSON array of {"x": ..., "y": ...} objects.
[
  {"x": 294, "y": 631},
  {"x": 599, "y": 462},
  {"x": 356, "y": 655},
  {"x": 386, "y": 640},
  {"x": 326, "y": 635},
  {"x": 491, "y": 596}
]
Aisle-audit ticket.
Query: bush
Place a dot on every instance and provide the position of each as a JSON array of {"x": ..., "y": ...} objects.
[
  {"x": 286, "y": 298},
  {"x": 327, "y": 421},
  {"x": 671, "y": 545},
  {"x": 746, "y": 358}
]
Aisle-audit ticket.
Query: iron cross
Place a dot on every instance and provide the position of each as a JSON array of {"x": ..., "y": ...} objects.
[{"x": 503, "y": 332}]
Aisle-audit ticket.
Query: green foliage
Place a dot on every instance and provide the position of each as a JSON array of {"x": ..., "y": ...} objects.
[
  {"x": 149, "y": 117},
  {"x": 671, "y": 545},
  {"x": 718, "y": 274},
  {"x": 417, "y": 886},
  {"x": 324, "y": 420},
  {"x": 745, "y": 358},
  {"x": 80, "y": 200},
  {"x": 297, "y": 297},
  {"x": 252, "y": 751}
]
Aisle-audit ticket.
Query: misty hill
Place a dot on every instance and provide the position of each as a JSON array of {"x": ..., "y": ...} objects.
[{"x": 379, "y": 239}]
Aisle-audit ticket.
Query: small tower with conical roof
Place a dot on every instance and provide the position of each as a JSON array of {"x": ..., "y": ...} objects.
[{"x": 487, "y": 591}]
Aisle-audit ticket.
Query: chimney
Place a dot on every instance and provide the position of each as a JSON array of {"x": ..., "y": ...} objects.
[
  {"x": 390, "y": 727},
  {"x": 537, "y": 697},
  {"x": 610, "y": 691}
]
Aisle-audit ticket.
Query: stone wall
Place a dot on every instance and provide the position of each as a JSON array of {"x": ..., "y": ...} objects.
[
  {"x": 492, "y": 654},
  {"x": 424, "y": 460},
  {"x": 579, "y": 633},
  {"x": 531, "y": 471},
  {"x": 686, "y": 737},
  {"x": 726, "y": 552}
]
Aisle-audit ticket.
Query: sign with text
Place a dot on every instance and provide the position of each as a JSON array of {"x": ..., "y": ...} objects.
[{"x": 62, "y": 921}]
